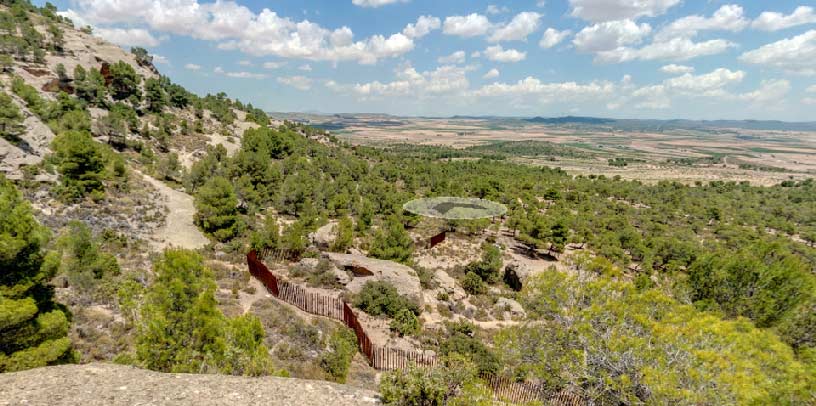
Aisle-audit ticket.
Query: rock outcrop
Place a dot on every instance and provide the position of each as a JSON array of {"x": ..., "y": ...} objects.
[
  {"x": 114, "y": 385},
  {"x": 365, "y": 269}
]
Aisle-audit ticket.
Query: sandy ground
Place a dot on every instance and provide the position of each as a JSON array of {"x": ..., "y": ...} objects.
[{"x": 178, "y": 229}]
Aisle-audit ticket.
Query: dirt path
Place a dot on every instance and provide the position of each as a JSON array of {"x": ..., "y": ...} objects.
[{"x": 178, "y": 229}]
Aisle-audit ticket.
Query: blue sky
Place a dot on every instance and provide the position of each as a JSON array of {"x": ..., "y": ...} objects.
[{"x": 704, "y": 59}]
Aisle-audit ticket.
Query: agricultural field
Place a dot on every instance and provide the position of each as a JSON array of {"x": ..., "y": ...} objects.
[{"x": 630, "y": 149}]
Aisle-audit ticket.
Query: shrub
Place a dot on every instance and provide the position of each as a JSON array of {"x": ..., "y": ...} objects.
[
  {"x": 392, "y": 242},
  {"x": 80, "y": 161},
  {"x": 381, "y": 298},
  {"x": 217, "y": 209},
  {"x": 343, "y": 346},
  {"x": 489, "y": 265},
  {"x": 473, "y": 284},
  {"x": 405, "y": 323}
]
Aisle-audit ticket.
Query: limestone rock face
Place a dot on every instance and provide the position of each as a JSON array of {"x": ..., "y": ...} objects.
[
  {"x": 515, "y": 273},
  {"x": 365, "y": 269},
  {"x": 115, "y": 385}
]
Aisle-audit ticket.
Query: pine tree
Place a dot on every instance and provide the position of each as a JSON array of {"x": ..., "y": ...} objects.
[
  {"x": 217, "y": 209},
  {"x": 10, "y": 119},
  {"x": 33, "y": 328},
  {"x": 392, "y": 242}
]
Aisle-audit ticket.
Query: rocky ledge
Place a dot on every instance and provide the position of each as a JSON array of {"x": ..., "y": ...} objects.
[{"x": 109, "y": 384}]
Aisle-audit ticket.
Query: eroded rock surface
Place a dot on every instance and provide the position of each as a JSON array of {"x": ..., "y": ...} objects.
[{"x": 114, "y": 385}]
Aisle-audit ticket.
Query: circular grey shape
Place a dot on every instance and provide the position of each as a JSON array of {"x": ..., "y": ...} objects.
[{"x": 455, "y": 208}]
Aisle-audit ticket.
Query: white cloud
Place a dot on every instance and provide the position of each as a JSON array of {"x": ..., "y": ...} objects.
[
  {"x": 811, "y": 89},
  {"x": 548, "y": 92},
  {"x": 499, "y": 54},
  {"x": 494, "y": 9},
  {"x": 236, "y": 27},
  {"x": 769, "y": 92},
  {"x": 127, "y": 37},
  {"x": 610, "y": 35},
  {"x": 423, "y": 26},
  {"x": 609, "y": 10},
  {"x": 375, "y": 3},
  {"x": 273, "y": 65},
  {"x": 678, "y": 49},
  {"x": 794, "y": 54},
  {"x": 192, "y": 66},
  {"x": 471, "y": 25},
  {"x": 553, "y": 37},
  {"x": 298, "y": 82},
  {"x": 454, "y": 58},
  {"x": 245, "y": 75},
  {"x": 160, "y": 59},
  {"x": 726, "y": 18},
  {"x": 491, "y": 74},
  {"x": 774, "y": 21},
  {"x": 305, "y": 67},
  {"x": 72, "y": 15},
  {"x": 676, "y": 69},
  {"x": 708, "y": 84},
  {"x": 444, "y": 80},
  {"x": 809, "y": 101},
  {"x": 245, "y": 63},
  {"x": 522, "y": 25}
]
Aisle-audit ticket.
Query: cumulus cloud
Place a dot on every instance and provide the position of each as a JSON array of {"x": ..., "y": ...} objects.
[
  {"x": 375, "y": 3},
  {"x": 708, "y": 84},
  {"x": 726, "y": 18},
  {"x": 494, "y": 9},
  {"x": 236, "y": 27},
  {"x": 795, "y": 54},
  {"x": 774, "y": 21},
  {"x": 491, "y": 74},
  {"x": 454, "y": 58},
  {"x": 305, "y": 67},
  {"x": 679, "y": 49},
  {"x": 499, "y": 54},
  {"x": 423, "y": 26},
  {"x": 160, "y": 59},
  {"x": 522, "y": 25},
  {"x": 192, "y": 66},
  {"x": 553, "y": 37},
  {"x": 273, "y": 65},
  {"x": 548, "y": 92},
  {"x": 610, "y": 35},
  {"x": 673, "y": 69},
  {"x": 444, "y": 80},
  {"x": 609, "y": 10},
  {"x": 471, "y": 25},
  {"x": 811, "y": 89},
  {"x": 127, "y": 37},
  {"x": 769, "y": 92},
  {"x": 298, "y": 82},
  {"x": 245, "y": 75}
]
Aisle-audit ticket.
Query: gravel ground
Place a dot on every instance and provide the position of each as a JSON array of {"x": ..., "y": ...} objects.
[{"x": 111, "y": 385}]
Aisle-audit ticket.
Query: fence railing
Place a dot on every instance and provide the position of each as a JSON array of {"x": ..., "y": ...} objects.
[{"x": 386, "y": 358}]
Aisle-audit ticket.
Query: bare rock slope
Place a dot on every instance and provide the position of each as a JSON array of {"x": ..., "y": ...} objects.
[{"x": 109, "y": 384}]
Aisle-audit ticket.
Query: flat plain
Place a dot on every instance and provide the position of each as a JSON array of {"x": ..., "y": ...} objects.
[{"x": 650, "y": 151}]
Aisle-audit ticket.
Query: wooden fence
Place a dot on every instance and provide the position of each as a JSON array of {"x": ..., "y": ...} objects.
[{"x": 385, "y": 358}]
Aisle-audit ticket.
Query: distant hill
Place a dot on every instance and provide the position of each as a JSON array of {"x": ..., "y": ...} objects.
[
  {"x": 660, "y": 125},
  {"x": 570, "y": 120}
]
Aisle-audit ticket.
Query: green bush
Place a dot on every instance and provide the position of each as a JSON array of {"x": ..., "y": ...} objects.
[
  {"x": 392, "y": 242},
  {"x": 381, "y": 298},
  {"x": 405, "y": 323},
  {"x": 342, "y": 347},
  {"x": 489, "y": 265},
  {"x": 473, "y": 284},
  {"x": 454, "y": 377}
]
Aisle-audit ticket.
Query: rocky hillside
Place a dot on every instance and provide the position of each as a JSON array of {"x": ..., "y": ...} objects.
[{"x": 111, "y": 385}]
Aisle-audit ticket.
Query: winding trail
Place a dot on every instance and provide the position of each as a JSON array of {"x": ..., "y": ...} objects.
[{"x": 178, "y": 230}]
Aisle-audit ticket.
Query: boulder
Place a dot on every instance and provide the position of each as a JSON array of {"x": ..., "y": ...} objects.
[
  {"x": 312, "y": 264},
  {"x": 365, "y": 269},
  {"x": 324, "y": 236},
  {"x": 515, "y": 273},
  {"x": 507, "y": 305}
]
